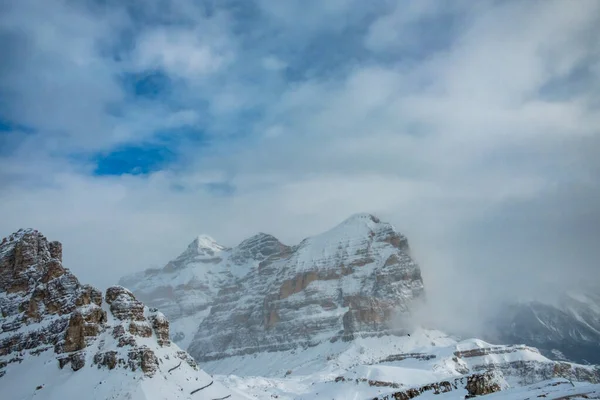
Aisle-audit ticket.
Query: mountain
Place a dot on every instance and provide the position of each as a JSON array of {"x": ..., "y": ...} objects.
[
  {"x": 60, "y": 339},
  {"x": 425, "y": 364},
  {"x": 568, "y": 329},
  {"x": 355, "y": 280}
]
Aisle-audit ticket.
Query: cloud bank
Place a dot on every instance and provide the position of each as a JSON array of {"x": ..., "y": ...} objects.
[{"x": 126, "y": 130}]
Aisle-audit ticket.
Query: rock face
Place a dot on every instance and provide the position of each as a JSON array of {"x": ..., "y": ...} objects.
[
  {"x": 263, "y": 295},
  {"x": 37, "y": 292},
  {"x": 50, "y": 321}
]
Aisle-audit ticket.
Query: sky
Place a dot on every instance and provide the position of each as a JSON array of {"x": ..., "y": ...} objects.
[{"x": 128, "y": 128}]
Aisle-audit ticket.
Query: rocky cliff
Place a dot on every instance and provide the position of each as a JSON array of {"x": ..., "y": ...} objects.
[
  {"x": 52, "y": 327},
  {"x": 263, "y": 295}
]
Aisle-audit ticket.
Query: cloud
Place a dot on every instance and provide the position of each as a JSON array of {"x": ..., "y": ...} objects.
[
  {"x": 473, "y": 129},
  {"x": 180, "y": 53}
]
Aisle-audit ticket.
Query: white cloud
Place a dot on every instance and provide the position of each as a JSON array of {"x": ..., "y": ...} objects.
[
  {"x": 458, "y": 147},
  {"x": 186, "y": 53}
]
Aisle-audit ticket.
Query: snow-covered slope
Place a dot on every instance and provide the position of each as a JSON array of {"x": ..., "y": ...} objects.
[
  {"x": 424, "y": 363},
  {"x": 262, "y": 295},
  {"x": 185, "y": 288},
  {"x": 569, "y": 329},
  {"x": 62, "y": 340}
]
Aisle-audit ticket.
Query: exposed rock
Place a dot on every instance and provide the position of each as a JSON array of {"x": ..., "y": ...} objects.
[
  {"x": 108, "y": 359},
  {"x": 45, "y": 308},
  {"x": 123, "y": 304},
  {"x": 183, "y": 355},
  {"x": 77, "y": 360},
  {"x": 144, "y": 358},
  {"x": 37, "y": 292},
  {"x": 160, "y": 324},
  {"x": 476, "y": 384},
  {"x": 140, "y": 329},
  {"x": 265, "y": 296},
  {"x": 482, "y": 384}
]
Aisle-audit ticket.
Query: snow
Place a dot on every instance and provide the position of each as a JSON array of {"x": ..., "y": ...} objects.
[
  {"x": 311, "y": 373},
  {"x": 39, "y": 376},
  {"x": 206, "y": 242},
  {"x": 23, "y": 380}
]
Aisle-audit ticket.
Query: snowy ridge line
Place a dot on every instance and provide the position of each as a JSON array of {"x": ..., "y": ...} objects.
[{"x": 262, "y": 295}]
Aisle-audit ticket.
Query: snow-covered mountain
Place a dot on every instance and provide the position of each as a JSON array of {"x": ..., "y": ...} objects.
[
  {"x": 568, "y": 329},
  {"x": 62, "y": 340},
  {"x": 427, "y": 363},
  {"x": 353, "y": 280}
]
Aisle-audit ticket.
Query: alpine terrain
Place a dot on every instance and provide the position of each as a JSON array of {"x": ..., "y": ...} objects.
[
  {"x": 325, "y": 319},
  {"x": 329, "y": 318},
  {"x": 355, "y": 280},
  {"x": 60, "y": 339},
  {"x": 569, "y": 329}
]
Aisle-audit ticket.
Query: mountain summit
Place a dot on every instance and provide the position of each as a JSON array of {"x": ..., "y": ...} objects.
[{"x": 261, "y": 295}]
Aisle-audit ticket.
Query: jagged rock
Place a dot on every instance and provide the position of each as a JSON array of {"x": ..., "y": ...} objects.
[
  {"x": 144, "y": 358},
  {"x": 160, "y": 324},
  {"x": 44, "y": 296},
  {"x": 123, "y": 304},
  {"x": 108, "y": 359},
  {"x": 140, "y": 329},
  {"x": 77, "y": 360},
  {"x": 476, "y": 384},
  {"x": 44, "y": 309},
  {"x": 482, "y": 384}
]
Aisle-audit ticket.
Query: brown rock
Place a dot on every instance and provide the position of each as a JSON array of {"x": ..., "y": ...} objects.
[
  {"x": 140, "y": 329},
  {"x": 108, "y": 359},
  {"x": 144, "y": 358},
  {"x": 55, "y": 249},
  {"x": 123, "y": 304},
  {"x": 74, "y": 337},
  {"x": 482, "y": 384},
  {"x": 160, "y": 324}
]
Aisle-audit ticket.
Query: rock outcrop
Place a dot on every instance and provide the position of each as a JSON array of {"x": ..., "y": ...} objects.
[
  {"x": 475, "y": 385},
  {"x": 50, "y": 321},
  {"x": 264, "y": 296},
  {"x": 43, "y": 305}
]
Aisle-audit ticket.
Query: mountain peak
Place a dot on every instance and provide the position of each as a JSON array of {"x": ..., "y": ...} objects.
[
  {"x": 361, "y": 218},
  {"x": 206, "y": 242},
  {"x": 204, "y": 245},
  {"x": 355, "y": 226}
]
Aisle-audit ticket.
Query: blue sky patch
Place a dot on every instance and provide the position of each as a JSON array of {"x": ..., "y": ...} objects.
[{"x": 134, "y": 160}]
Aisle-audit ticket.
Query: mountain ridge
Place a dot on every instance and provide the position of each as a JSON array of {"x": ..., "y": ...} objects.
[
  {"x": 58, "y": 337},
  {"x": 367, "y": 261}
]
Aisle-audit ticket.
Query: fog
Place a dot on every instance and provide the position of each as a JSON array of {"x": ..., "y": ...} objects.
[{"x": 472, "y": 128}]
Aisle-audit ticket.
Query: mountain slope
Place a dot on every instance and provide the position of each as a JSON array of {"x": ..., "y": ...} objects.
[
  {"x": 262, "y": 295},
  {"x": 425, "y": 364},
  {"x": 569, "y": 329},
  {"x": 58, "y": 336}
]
